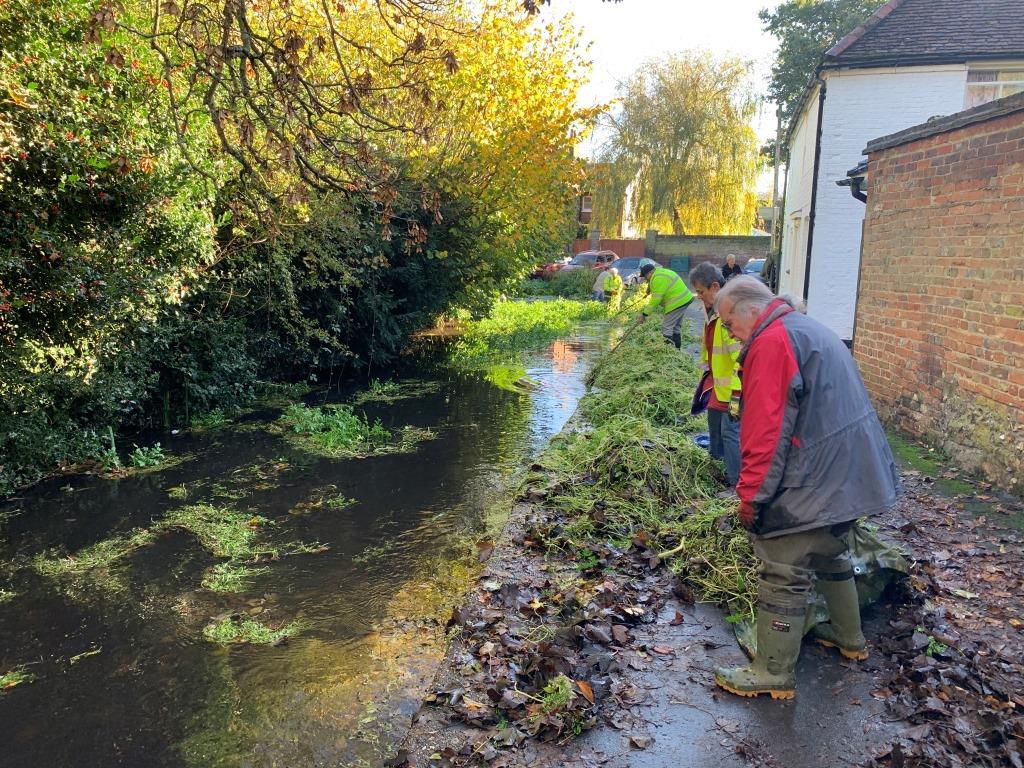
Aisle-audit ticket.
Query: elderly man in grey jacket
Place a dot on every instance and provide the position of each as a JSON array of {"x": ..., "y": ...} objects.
[{"x": 814, "y": 459}]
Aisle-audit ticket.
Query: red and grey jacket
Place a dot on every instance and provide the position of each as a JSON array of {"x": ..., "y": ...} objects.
[{"x": 813, "y": 451}]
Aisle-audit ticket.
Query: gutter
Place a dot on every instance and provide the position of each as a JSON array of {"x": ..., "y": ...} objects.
[{"x": 814, "y": 187}]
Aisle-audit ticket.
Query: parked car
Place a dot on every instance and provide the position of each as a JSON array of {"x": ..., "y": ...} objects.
[
  {"x": 629, "y": 268},
  {"x": 755, "y": 267},
  {"x": 545, "y": 271},
  {"x": 592, "y": 260}
]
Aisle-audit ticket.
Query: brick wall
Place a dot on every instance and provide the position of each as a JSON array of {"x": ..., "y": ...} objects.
[
  {"x": 940, "y": 315},
  {"x": 698, "y": 248},
  {"x": 713, "y": 248}
]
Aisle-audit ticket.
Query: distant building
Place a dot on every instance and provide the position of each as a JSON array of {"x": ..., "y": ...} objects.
[{"x": 910, "y": 61}]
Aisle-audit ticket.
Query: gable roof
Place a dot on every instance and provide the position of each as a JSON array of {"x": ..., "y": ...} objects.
[{"x": 909, "y": 32}]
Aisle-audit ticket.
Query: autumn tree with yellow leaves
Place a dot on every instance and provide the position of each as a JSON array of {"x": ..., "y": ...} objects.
[
  {"x": 195, "y": 196},
  {"x": 681, "y": 148}
]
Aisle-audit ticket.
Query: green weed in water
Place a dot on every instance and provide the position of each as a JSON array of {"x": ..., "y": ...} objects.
[
  {"x": 247, "y": 630},
  {"x": 231, "y": 576},
  {"x": 14, "y": 678},
  {"x": 335, "y": 431},
  {"x": 212, "y": 420},
  {"x": 101, "y": 555},
  {"x": 178, "y": 492},
  {"x": 222, "y": 531},
  {"x": 392, "y": 391}
]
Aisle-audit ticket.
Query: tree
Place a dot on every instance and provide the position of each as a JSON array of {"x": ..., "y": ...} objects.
[
  {"x": 682, "y": 141},
  {"x": 805, "y": 30}
]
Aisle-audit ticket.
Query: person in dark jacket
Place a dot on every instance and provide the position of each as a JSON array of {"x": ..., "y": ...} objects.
[
  {"x": 731, "y": 268},
  {"x": 814, "y": 459}
]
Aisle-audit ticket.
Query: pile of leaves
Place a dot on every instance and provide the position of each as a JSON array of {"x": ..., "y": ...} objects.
[
  {"x": 958, "y": 649},
  {"x": 541, "y": 648}
]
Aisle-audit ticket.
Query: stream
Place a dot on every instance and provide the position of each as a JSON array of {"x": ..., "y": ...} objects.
[{"x": 123, "y": 675}]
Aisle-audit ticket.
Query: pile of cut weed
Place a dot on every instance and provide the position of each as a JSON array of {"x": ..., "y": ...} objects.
[
  {"x": 645, "y": 378},
  {"x": 637, "y": 475}
]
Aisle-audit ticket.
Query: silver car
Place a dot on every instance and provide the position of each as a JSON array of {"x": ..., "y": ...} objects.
[{"x": 629, "y": 268}]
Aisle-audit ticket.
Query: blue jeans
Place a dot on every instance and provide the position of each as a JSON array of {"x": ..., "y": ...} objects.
[
  {"x": 725, "y": 442},
  {"x": 597, "y": 295}
]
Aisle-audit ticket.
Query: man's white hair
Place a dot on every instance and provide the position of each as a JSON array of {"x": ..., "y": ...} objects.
[{"x": 745, "y": 290}]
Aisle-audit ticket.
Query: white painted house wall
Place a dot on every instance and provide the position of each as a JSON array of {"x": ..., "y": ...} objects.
[
  {"x": 860, "y": 105},
  {"x": 799, "y": 177}
]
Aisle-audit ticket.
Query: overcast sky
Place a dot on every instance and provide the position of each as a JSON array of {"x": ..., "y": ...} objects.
[{"x": 623, "y": 35}]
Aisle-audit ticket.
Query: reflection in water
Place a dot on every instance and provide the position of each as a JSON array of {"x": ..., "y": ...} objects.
[{"x": 156, "y": 694}]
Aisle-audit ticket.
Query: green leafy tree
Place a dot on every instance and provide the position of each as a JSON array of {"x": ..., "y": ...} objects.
[
  {"x": 806, "y": 29},
  {"x": 683, "y": 145}
]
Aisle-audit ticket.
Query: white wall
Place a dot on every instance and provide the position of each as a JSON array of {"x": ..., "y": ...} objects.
[
  {"x": 861, "y": 105},
  {"x": 798, "y": 199}
]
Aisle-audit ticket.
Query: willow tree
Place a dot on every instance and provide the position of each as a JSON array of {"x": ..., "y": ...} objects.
[{"x": 682, "y": 143}]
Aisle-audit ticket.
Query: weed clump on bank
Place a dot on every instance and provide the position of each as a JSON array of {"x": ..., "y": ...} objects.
[
  {"x": 513, "y": 326},
  {"x": 569, "y": 284}
]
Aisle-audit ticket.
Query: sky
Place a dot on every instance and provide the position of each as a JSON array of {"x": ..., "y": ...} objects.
[{"x": 624, "y": 35}]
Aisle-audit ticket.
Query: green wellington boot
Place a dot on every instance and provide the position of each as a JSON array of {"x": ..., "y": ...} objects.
[
  {"x": 771, "y": 671},
  {"x": 843, "y": 632}
]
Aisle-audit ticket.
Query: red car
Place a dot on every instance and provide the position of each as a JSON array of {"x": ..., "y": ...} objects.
[{"x": 546, "y": 271}]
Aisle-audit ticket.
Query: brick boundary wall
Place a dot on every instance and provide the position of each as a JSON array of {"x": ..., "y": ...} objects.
[
  {"x": 940, "y": 313},
  {"x": 713, "y": 248},
  {"x": 697, "y": 248}
]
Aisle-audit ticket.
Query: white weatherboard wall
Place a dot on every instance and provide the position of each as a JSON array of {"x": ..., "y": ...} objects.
[
  {"x": 861, "y": 105},
  {"x": 799, "y": 179}
]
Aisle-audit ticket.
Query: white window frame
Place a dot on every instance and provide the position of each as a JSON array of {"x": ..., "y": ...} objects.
[
  {"x": 1000, "y": 86},
  {"x": 587, "y": 204}
]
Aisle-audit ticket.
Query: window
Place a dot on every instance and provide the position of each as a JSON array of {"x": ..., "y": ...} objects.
[
  {"x": 587, "y": 204},
  {"x": 988, "y": 85}
]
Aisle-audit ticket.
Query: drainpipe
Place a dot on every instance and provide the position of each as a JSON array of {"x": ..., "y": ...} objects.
[{"x": 823, "y": 87}]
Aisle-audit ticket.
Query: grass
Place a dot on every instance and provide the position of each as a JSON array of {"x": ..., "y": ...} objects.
[
  {"x": 247, "y": 630},
  {"x": 7, "y": 595},
  {"x": 102, "y": 555},
  {"x": 14, "y": 678}
]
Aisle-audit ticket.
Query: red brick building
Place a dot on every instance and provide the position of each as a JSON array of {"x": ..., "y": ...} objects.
[{"x": 940, "y": 312}]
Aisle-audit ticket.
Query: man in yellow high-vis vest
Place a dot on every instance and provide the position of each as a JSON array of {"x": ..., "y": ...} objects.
[
  {"x": 669, "y": 293},
  {"x": 719, "y": 356}
]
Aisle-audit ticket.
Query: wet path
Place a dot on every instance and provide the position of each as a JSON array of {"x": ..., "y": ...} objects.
[{"x": 123, "y": 675}]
